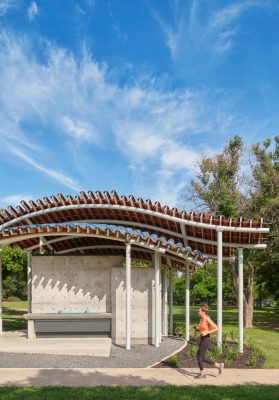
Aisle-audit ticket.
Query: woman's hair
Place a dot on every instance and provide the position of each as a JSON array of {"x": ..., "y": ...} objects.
[{"x": 205, "y": 308}]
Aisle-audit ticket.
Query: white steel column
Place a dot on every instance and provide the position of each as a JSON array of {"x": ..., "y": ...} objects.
[
  {"x": 171, "y": 301},
  {"x": 30, "y": 323},
  {"x": 1, "y": 322},
  {"x": 187, "y": 301},
  {"x": 164, "y": 303},
  {"x": 128, "y": 296},
  {"x": 240, "y": 299},
  {"x": 157, "y": 260},
  {"x": 29, "y": 280},
  {"x": 41, "y": 248},
  {"x": 219, "y": 285}
]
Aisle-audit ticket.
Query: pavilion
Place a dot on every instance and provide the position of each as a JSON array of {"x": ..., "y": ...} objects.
[{"x": 67, "y": 238}]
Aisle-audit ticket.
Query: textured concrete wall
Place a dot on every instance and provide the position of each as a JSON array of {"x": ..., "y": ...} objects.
[
  {"x": 95, "y": 284},
  {"x": 72, "y": 283},
  {"x": 142, "y": 305}
]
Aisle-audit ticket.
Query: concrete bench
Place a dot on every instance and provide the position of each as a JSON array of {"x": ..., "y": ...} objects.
[{"x": 69, "y": 323}]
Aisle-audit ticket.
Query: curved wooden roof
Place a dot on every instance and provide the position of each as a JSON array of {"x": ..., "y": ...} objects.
[
  {"x": 108, "y": 233},
  {"x": 196, "y": 230}
]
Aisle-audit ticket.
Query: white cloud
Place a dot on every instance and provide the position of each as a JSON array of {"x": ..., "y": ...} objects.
[
  {"x": 179, "y": 157},
  {"x": 75, "y": 100},
  {"x": 205, "y": 28},
  {"x": 32, "y": 11},
  {"x": 6, "y": 6},
  {"x": 115, "y": 25},
  {"x": 58, "y": 176},
  {"x": 79, "y": 129},
  {"x": 14, "y": 199}
]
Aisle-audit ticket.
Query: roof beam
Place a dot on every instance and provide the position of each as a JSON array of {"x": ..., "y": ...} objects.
[
  {"x": 140, "y": 243},
  {"x": 134, "y": 210}
]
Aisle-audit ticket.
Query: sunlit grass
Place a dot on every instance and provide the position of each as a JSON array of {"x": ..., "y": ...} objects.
[{"x": 265, "y": 333}]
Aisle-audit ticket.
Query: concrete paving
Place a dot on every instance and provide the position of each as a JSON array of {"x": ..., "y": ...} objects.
[
  {"x": 140, "y": 356},
  {"x": 132, "y": 376},
  {"x": 17, "y": 342}
]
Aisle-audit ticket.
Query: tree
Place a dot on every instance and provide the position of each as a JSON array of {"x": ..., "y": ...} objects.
[
  {"x": 179, "y": 288},
  {"x": 222, "y": 188},
  {"x": 265, "y": 202},
  {"x": 203, "y": 286},
  {"x": 14, "y": 272}
]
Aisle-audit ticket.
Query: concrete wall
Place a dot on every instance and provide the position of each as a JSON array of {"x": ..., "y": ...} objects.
[
  {"x": 142, "y": 305},
  {"x": 95, "y": 284},
  {"x": 72, "y": 283}
]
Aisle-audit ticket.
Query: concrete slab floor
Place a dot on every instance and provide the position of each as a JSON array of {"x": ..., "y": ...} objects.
[
  {"x": 131, "y": 376},
  {"x": 17, "y": 342}
]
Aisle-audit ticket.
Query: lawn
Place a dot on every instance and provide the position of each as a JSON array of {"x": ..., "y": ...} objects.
[
  {"x": 265, "y": 333},
  {"x": 239, "y": 392},
  {"x": 13, "y": 315}
]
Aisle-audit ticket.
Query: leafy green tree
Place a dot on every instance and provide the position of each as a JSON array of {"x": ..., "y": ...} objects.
[
  {"x": 203, "y": 286},
  {"x": 265, "y": 202},
  {"x": 179, "y": 288},
  {"x": 14, "y": 272},
  {"x": 227, "y": 184}
]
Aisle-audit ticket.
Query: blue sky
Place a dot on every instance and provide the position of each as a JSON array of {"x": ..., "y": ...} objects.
[{"x": 127, "y": 95}]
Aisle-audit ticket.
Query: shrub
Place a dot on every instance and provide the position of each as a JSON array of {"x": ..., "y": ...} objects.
[
  {"x": 215, "y": 353},
  {"x": 191, "y": 350},
  {"x": 255, "y": 355},
  {"x": 232, "y": 355},
  {"x": 173, "y": 361}
]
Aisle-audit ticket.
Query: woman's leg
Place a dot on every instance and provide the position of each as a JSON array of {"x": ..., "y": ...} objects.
[
  {"x": 200, "y": 353},
  {"x": 208, "y": 360},
  {"x": 206, "y": 345}
]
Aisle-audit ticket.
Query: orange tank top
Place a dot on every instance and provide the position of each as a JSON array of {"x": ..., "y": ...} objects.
[{"x": 203, "y": 327}]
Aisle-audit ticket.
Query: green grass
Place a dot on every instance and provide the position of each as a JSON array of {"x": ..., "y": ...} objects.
[
  {"x": 15, "y": 305},
  {"x": 239, "y": 392},
  {"x": 264, "y": 334},
  {"x": 13, "y": 315}
]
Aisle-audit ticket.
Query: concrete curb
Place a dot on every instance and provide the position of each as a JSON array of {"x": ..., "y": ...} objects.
[{"x": 172, "y": 354}]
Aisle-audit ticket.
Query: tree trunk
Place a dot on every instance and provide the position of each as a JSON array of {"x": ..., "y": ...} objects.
[
  {"x": 249, "y": 297},
  {"x": 248, "y": 293},
  {"x": 235, "y": 277}
]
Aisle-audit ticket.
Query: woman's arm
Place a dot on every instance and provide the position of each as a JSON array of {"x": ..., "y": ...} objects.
[{"x": 212, "y": 325}]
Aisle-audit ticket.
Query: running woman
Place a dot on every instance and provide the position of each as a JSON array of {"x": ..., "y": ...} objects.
[{"x": 206, "y": 328}]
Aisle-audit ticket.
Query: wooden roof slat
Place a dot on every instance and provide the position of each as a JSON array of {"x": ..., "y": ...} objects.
[
  {"x": 107, "y": 197},
  {"x": 6, "y": 214},
  {"x": 91, "y": 196},
  {"x": 132, "y": 201},
  {"x": 25, "y": 206},
  {"x": 55, "y": 201},
  {"x": 84, "y": 197},
  {"x": 13, "y": 211},
  {"x": 62, "y": 199},
  {"x": 40, "y": 204},
  {"x": 48, "y": 202},
  {"x": 70, "y": 199},
  {"x": 99, "y": 196}
]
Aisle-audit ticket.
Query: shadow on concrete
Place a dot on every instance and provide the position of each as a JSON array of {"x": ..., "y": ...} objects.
[{"x": 76, "y": 378}]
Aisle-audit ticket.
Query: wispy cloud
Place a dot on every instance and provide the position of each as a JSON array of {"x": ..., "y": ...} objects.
[
  {"x": 115, "y": 25},
  {"x": 76, "y": 100},
  {"x": 32, "y": 11},
  {"x": 14, "y": 199},
  {"x": 205, "y": 27},
  {"x": 58, "y": 176},
  {"x": 6, "y": 6}
]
